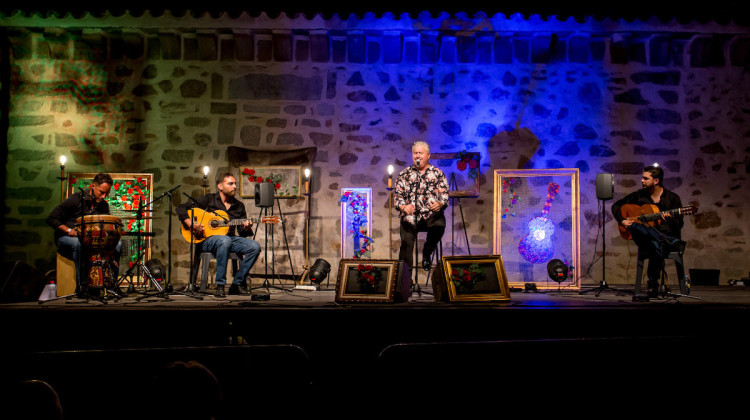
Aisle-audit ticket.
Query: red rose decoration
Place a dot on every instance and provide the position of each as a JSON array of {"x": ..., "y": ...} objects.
[
  {"x": 461, "y": 165},
  {"x": 246, "y": 171},
  {"x": 259, "y": 179},
  {"x": 473, "y": 163},
  {"x": 251, "y": 179},
  {"x": 277, "y": 186}
]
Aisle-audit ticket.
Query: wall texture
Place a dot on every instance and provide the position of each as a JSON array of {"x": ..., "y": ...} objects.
[{"x": 168, "y": 95}]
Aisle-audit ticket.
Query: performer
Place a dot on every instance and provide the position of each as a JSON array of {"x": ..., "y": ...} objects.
[
  {"x": 236, "y": 240},
  {"x": 657, "y": 241},
  {"x": 421, "y": 196},
  {"x": 63, "y": 220}
]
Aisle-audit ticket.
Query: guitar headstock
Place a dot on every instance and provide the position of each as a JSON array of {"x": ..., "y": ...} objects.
[
  {"x": 692, "y": 208},
  {"x": 270, "y": 219}
]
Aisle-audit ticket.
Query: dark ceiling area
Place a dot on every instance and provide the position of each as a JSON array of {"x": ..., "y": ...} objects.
[{"x": 683, "y": 11}]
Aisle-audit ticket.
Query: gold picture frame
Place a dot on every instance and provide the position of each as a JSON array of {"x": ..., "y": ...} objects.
[
  {"x": 287, "y": 180},
  {"x": 543, "y": 204},
  {"x": 365, "y": 280},
  {"x": 471, "y": 278}
]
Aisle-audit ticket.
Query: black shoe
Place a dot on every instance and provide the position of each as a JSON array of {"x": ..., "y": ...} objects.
[
  {"x": 426, "y": 265},
  {"x": 220, "y": 290},
  {"x": 653, "y": 290},
  {"x": 234, "y": 289}
]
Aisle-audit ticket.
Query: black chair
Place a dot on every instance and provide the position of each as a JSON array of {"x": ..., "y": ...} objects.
[
  {"x": 675, "y": 256},
  {"x": 203, "y": 259}
]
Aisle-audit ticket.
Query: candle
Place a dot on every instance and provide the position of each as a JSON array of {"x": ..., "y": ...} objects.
[
  {"x": 63, "y": 159},
  {"x": 390, "y": 176},
  {"x": 307, "y": 180}
]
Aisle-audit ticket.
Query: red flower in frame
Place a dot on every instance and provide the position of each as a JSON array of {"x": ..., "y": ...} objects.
[
  {"x": 259, "y": 179},
  {"x": 277, "y": 186}
]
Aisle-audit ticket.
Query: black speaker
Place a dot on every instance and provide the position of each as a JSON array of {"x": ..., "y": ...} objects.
[
  {"x": 605, "y": 186},
  {"x": 23, "y": 284},
  {"x": 264, "y": 194}
]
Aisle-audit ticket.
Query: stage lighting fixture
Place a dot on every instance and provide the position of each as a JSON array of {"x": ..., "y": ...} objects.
[
  {"x": 557, "y": 270},
  {"x": 156, "y": 268},
  {"x": 319, "y": 270}
]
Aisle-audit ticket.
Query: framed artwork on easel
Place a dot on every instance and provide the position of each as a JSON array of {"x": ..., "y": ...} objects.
[{"x": 536, "y": 220}]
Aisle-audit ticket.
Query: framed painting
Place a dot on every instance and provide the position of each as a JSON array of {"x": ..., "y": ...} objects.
[
  {"x": 462, "y": 171},
  {"x": 366, "y": 281},
  {"x": 472, "y": 278},
  {"x": 129, "y": 191},
  {"x": 536, "y": 220},
  {"x": 287, "y": 180},
  {"x": 356, "y": 222}
]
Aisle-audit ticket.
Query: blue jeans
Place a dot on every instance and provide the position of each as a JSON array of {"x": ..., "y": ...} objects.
[
  {"x": 222, "y": 245},
  {"x": 70, "y": 247},
  {"x": 652, "y": 242}
]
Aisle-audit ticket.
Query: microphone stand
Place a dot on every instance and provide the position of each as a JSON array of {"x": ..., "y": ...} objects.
[
  {"x": 167, "y": 288},
  {"x": 190, "y": 290}
]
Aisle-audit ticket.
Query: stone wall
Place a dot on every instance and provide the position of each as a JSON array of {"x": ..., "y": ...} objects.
[{"x": 170, "y": 96}]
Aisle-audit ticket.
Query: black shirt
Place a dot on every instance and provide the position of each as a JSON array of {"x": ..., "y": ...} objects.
[
  {"x": 69, "y": 210},
  {"x": 668, "y": 201},
  {"x": 211, "y": 202}
]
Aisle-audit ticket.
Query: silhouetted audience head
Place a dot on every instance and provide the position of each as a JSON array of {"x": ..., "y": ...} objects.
[
  {"x": 33, "y": 400},
  {"x": 187, "y": 391}
]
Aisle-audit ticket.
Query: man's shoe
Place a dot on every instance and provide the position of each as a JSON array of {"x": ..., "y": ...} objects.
[
  {"x": 220, "y": 291},
  {"x": 653, "y": 290},
  {"x": 235, "y": 289}
]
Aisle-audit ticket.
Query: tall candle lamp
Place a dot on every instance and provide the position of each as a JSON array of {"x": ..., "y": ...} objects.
[
  {"x": 62, "y": 177},
  {"x": 390, "y": 212},
  {"x": 301, "y": 284},
  {"x": 205, "y": 179}
]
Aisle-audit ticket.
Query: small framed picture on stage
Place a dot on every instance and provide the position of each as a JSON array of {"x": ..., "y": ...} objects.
[
  {"x": 471, "y": 278},
  {"x": 462, "y": 171},
  {"x": 285, "y": 179},
  {"x": 363, "y": 280}
]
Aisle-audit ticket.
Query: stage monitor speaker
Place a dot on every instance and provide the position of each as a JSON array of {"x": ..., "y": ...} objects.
[
  {"x": 605, "y": 186},
  {"x": 24, "y": 283},
  {"x": 264, "y": 194}
]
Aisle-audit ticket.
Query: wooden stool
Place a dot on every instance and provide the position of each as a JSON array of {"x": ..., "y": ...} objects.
[{"x": 66, "y": 276}]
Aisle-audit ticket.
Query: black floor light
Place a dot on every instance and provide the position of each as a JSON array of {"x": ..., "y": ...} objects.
[
  {"x": 319, "y": 271},
  {"x": 557, "y": 271}
]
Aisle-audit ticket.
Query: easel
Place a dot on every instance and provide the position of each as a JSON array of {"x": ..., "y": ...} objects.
[{"x": 264, "y": 212}]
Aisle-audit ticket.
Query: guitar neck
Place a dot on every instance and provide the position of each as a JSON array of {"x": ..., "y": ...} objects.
[
  {"x": 654, "y": 216},
  {"x": 237, "y": 222}
]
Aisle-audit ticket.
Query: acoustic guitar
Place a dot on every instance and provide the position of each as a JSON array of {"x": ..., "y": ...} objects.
[
  {"x": 649, "y": 214},
  {"x": 217, "y": 223}
]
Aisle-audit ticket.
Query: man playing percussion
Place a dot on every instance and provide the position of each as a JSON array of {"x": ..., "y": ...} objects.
[
  {"x": 63, "y": 220},
  {"x": 657, "y": 241},
  {"x": 236, "y": 240}
]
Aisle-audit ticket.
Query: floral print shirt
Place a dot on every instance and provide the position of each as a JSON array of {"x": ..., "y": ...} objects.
[{"x": 418, "y": 189}]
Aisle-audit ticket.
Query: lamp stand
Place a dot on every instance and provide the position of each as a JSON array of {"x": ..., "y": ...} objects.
[{"x": 302, "y": 282}]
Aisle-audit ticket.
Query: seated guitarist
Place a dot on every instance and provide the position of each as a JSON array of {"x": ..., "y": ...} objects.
[
  {"x": 659, "y": 240},
  {"x": 236, "y": 240}
]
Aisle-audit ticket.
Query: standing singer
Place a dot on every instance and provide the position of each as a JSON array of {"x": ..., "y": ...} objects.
[{"x": 421, "y": 196}]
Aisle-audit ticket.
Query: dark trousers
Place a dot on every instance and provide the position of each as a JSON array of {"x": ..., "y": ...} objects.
[
  {"x": 655, "y": 244},
  {"x": 434, "y": 226}
]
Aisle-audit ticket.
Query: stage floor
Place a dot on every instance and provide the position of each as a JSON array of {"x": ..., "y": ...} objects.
[{"x": 299, "y": 351}]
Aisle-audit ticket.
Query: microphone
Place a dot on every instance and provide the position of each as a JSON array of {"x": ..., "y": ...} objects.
[{"x": 85, "y": 193}]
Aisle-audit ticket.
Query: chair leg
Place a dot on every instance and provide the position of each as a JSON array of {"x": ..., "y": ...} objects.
[{"x": 206, "y": 258}]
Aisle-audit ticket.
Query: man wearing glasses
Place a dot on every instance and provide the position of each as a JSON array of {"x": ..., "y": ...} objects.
[{"x": 63, "y": 220}]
